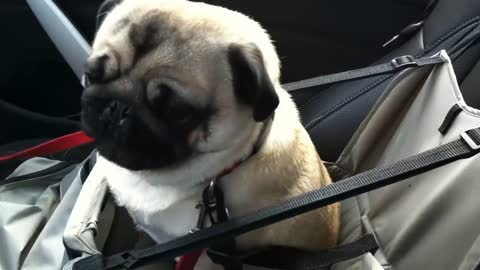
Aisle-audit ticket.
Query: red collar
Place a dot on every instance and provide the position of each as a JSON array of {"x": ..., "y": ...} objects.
[
  {"x": 260, "y": 141},
  {"x": 230, "y": 169}
]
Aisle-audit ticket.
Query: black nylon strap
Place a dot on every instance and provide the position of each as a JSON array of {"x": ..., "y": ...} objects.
[
  {"x": 395, "y": 65},
  {"x": 289, "y": 258},
  {"x": 465, "y": 147}
]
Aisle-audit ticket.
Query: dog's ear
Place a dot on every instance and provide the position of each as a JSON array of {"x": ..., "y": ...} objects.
[
  {"x": 104, "y": 9},
  {"x": 251, "y": 82}
]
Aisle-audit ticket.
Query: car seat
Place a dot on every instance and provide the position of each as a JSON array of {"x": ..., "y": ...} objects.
[{"x": 332, "y": 115}]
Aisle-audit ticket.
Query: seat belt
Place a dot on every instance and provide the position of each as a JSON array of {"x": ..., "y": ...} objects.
[{"x": 466, "y": 146}]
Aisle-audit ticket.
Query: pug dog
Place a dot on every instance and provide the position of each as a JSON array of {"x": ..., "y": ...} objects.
[{"x": 182, "y": 92}]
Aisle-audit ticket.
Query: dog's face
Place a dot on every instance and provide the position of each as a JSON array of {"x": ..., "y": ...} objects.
[{"x": 170, "y": 80}]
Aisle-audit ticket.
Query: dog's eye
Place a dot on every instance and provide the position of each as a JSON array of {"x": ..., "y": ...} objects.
[
  {"x": 164, "y": 95},
  {"x": 164, "y": 101},
  {"x": 158, "y": 97},
  {"x": 179, "y": 111}
]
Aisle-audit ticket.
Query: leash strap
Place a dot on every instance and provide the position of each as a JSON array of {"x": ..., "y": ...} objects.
[{"x": 466, "y": 146}]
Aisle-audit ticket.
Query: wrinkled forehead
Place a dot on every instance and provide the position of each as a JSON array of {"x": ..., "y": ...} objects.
[
  {"x": 150, "y": 40},
  {"x": 146, "y": 24},
  {"x": 142, "y": 29},
  {"x": 128, "y": 11}
]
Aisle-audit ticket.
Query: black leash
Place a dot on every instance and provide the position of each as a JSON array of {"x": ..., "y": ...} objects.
[{"x": 466, "y": 146}]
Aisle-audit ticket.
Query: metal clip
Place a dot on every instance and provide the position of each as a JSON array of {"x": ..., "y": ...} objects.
[{"x": 201, "y": 217}]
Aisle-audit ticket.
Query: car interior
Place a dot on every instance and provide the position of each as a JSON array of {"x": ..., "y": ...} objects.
[
  {"x": 40, "y": 94},
  {"x": 40, "y": 82},
  {"x": 40, "y": 89}
]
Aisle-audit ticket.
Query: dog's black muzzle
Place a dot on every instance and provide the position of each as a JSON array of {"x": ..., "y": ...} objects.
[{"x": 125, "y": 134}]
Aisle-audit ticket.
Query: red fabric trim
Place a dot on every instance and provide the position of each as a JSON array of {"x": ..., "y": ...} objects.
[
  {"x": 56, "y": 145},
  {"x": 188, "y": 261}
]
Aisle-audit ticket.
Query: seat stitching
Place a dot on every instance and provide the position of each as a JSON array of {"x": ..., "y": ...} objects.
[
  {"x": 338, "y": 106},
  {"x": 345, "y": 101},
  {"x": 424, "y": 51}
]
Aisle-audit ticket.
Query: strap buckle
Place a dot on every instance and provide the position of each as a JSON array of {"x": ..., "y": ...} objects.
[
  {"x": 469, "y": 139},
  {"x": 404, "y": 61}
]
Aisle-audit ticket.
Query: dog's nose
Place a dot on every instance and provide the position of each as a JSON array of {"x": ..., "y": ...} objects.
[
  {"x": 116, "y": 113},
  {"x": 95, "y": 69},
  {"x": 102, "y": 114}
]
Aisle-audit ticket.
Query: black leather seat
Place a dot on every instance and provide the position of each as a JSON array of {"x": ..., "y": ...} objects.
[{"x": 331, "y": 115}]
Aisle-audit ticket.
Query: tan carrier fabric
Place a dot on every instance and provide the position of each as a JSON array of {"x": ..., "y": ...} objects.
[{"x": 430, "y": 221}]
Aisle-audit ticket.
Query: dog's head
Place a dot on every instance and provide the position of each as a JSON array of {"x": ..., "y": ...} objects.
[{"x": 173, "y": 79}]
